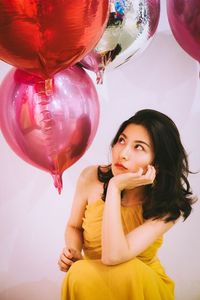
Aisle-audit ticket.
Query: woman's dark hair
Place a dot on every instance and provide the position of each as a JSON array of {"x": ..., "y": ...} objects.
[{"x": 170, "y": 196}]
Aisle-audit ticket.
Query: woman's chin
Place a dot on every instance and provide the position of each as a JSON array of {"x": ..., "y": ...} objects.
[{"x": 117, "y": 171}]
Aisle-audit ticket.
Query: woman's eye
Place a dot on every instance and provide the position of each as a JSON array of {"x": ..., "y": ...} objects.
[
  {"x": 121, "y": 140},
  {"x": 139, "y": 147}
]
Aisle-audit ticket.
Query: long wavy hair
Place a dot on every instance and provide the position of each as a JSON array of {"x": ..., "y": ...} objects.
[{"x": 170, "y": 196}]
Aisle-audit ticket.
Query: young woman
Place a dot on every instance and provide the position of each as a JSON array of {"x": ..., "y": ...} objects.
[{"x": 121, "y": 212}]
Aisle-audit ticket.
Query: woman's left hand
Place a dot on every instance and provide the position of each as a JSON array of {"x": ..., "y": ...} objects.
[
  {"x": 67, "y": 258},
  {"x": 131, "y": 180}
]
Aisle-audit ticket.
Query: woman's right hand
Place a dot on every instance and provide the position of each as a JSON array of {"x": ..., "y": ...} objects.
[
  {"x": 67, "y": 258},
  {"x": 131, "y": 180}
]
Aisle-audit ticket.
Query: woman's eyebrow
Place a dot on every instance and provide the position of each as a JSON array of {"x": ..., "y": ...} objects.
[
  {"x": 123, "y": 134},
  {"x": 142, "y": 142}
]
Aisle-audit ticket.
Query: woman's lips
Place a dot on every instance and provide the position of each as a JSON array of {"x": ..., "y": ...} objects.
[{"x": 120, "y": 166}]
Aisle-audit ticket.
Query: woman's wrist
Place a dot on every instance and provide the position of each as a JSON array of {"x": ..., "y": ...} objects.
[
  {"x": 76, "y": 253},
  {"x": 114, "y": 186}
]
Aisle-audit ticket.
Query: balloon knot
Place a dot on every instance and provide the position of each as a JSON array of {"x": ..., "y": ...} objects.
[
  {"x": 57, "y": 178},
  {"x": 49, "y": 87},
  {"x": 99, "y": 76}
]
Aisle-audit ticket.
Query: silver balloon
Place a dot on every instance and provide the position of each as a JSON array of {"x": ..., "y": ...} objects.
[
  {"x": 131, "y": 25},
  {"x": 130, "y": 28}
]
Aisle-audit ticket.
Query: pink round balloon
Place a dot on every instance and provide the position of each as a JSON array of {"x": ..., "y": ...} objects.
[
  {"x": 184, "y": 20},
  {"x": 49, "y": 131}
]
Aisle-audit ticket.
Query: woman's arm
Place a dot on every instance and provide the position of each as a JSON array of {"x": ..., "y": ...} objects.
[
  {"x": 116, "y": 246},
  {"x": 73, "y": 238},
  {"x": 73, "y": 231}
]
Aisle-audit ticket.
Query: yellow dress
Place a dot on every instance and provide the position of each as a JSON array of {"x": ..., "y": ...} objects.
[{"x": 142, "y": 278}]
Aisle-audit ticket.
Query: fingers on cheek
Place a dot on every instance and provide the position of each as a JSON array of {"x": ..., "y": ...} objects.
[
  {"x": 141, "y": 171},
  {"x": 152, "y": 173},
  {"x": 148, "y": 174},
  {"x": 150, "y": 177}
]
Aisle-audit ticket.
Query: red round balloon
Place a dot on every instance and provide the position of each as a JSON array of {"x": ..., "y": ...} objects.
[
  {"x": 44, "y": 37},
  {"x": 53, "y": 131},
  {"x": 184, "y": 20}
]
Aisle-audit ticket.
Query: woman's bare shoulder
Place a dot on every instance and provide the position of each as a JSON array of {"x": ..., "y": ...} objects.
[
  {"x": 91, "y": 185},
  {"x": 89, "y": 174}
]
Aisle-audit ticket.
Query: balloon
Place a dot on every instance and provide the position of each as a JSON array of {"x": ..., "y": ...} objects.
[
  {"x": 92, "y": 62},
  {"x": 130, "y": 27},
  {"x": 49, "y": 132},
  {"x": 184, "y": 20},
  {"x": 44, "y": 37}
]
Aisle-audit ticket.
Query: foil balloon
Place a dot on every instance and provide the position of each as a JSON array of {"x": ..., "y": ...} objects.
[
  {"x": 130, "y": 27},
  {"x": 50, "y": 132},
  {"x": 184, "y": 20},
  {"x": 44, "y": 37},
  {"x": 93, "y": 62}
]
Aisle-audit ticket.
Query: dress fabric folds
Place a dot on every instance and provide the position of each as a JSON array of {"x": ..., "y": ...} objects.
[{"x": 141, "y": 278}]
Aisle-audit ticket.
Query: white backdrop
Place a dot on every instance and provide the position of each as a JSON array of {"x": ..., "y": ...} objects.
[{"x": 33, "y": 215}]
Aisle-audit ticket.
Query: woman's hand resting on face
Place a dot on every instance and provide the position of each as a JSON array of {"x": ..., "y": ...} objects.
[
  {"x": 67, "y": 258},
  {"x": 129, "y": 180}
]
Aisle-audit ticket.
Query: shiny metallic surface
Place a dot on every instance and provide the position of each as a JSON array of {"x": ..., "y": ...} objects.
[
  {"x": 130, "y": 28},
  {"x": 49, "y": 131},
  {"x": 184, "y": 20},
  {"x": 44, "y": 37}
]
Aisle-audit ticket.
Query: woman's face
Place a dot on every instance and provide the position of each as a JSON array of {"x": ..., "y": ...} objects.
[{"x": 133, "y": 150}]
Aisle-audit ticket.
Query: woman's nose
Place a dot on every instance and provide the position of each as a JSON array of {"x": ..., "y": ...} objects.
[{"x": 124, "y": 154}]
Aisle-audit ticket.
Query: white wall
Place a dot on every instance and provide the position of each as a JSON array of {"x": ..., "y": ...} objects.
[{"x": 33, "y": 215}]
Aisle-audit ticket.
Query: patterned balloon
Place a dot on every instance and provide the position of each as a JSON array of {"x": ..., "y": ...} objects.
[
  {"x": 184, "y": 19},
  {"x": 131, "y": 25},
  {"x": 46, "y": 36},
  {"x": 50, "y": 132}
]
